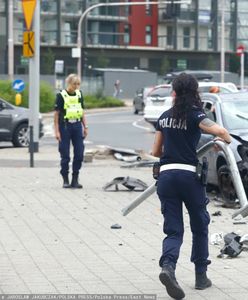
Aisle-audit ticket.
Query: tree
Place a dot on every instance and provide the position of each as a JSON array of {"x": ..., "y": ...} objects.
[
  {"x": 211, "y": 64},
  {"x": 165, "y": 66},
  {"x": 234, "y": 63},
  {"x": 48, "y": 62},
  {"x": 102, "y": 61}
]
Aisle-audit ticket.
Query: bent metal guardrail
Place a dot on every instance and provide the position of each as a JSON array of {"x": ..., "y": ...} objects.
[{"x": 237, "y": 182}]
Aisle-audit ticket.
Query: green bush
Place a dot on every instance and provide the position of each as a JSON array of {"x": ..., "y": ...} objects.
[
  {"x": 92, "y": 101},
  {"x": 47, "y": 97}
]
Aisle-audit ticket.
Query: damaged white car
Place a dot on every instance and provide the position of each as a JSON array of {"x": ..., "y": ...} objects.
[{"x": 230, "y": 111}]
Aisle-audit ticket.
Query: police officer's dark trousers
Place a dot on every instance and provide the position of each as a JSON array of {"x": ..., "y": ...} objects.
[
  {"x": 71, "y": 132},
  {"x": 176, "y": 187}
]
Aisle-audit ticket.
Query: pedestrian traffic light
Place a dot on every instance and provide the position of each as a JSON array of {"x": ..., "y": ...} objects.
[{"x": 85, "y": 58}]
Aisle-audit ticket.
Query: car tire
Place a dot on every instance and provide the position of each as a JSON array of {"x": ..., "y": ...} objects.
[
  {"x": 226, "y": 187},
  {"x": 20, "y": 136}
]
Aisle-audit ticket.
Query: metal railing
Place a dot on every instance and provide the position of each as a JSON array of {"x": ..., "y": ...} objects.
[{"x": 231, "y": 163}]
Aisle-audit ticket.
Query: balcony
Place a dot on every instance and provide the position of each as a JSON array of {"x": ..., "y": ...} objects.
[
  {"x": 68, "y": 37},
  {"x": 107, "y": 39},
  {"x": 71, "y": 8},
  {"x": 48, "y": 7},
  {"x": 48, "y": 37},
  {"x": 187, "y": 43},
  {"x": 165, "y": 16},
  {"x": 2, "y": 7}
]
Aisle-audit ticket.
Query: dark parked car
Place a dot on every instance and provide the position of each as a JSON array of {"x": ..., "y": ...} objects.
[
  {"x": 231, "y": 111},
  {"x": 14, "y": 124},
  {"x": 139, "y": 100}
]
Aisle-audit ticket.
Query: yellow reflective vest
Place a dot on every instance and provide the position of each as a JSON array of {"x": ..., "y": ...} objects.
[{"x": 72, "y": 105}]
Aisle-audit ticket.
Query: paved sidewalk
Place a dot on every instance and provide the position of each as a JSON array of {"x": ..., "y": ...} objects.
[{"x": 54, "y": 240}]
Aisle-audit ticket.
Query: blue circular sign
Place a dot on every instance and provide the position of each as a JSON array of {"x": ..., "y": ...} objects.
[{"x": 18, "y": 85}]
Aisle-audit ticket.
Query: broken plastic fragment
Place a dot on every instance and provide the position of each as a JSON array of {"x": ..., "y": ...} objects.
[{"x": 115, "y": 226}]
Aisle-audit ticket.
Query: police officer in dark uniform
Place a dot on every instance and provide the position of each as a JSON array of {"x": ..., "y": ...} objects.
[
  {"x": 70, "y": 126},
  {"x": 177, "y": 134}
]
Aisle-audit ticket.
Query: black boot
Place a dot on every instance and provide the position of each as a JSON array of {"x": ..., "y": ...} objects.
[
  {"x": 167, "y": 277},
  {"x": 74, "y": 182},
  {"x": 66, "y": 183},
  {"x": 201, "y": 281}
]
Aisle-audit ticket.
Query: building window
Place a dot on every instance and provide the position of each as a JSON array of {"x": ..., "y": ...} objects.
[
  {"x": 127, "y": 34},
  {"x": 169, "y": 36},
  {"x": 148, "y": 35},
  {"x": 148, "y": 8},
  {"x": 186, "y": 37},
  {"x": 2, "y": 6},
  {"x": 210, "y": 39}
]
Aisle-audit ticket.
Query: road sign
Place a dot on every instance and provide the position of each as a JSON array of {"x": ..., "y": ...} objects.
[
  {"x": 240, "y": 50},
  {"x": 28, "y": 7},
  {"x": 76, "y": 52},
  {"x": 24, "y": 61},
  {"x": 18, "y": 85},
  {"x": 28, "y": 44},
  {"x": 59, "y": 67}
]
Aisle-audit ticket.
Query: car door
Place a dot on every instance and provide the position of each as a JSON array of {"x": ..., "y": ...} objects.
[{"x": 5, "y": 120}]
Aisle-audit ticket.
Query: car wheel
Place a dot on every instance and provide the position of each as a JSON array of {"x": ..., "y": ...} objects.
[
  {"x": 226, "y": 186},
  {"x": 21, "y": 136}
]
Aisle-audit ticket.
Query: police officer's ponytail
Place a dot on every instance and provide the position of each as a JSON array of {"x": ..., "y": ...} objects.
[{"x": 187, "y": 95}]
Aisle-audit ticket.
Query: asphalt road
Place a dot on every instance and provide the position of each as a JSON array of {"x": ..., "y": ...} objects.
[{"x": 120, "y": 129}]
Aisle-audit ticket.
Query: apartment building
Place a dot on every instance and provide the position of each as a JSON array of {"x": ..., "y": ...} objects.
[{"x": 144, "y": 36}]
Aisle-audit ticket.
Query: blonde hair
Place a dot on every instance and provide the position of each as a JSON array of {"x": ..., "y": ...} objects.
[{"x": 71, "y": 78}]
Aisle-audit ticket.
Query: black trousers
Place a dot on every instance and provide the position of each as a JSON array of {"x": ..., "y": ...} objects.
[
  {"x": 71, "y": 132},
  {"x": 176, "y": 187}
]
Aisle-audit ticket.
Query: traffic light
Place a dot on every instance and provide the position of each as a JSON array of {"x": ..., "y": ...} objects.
[{"x": 85, "y": 58}]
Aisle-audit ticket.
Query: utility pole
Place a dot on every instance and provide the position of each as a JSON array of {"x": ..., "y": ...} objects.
[
  {"x": 34, "y": 85},
  {"x": 10, "y": 41},
  {"x": 222, "y": 50},
  {"x": 84, "y": 14}
]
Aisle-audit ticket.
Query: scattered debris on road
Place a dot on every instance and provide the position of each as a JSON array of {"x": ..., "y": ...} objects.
[
  {"x": 129, "y": 182},
  {"x": 216, "y": 238},
  {"x": 233, "y": 247},
  {"x": 115, "y": 226},
  {"x": 217, "y": 213}
]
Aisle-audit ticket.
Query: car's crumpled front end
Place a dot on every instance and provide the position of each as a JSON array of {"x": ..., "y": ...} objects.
[
  {"x": 243, "y": 165},
  {"x": 241, "y": 141}
]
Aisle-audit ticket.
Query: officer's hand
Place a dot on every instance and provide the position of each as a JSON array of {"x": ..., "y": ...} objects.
[
  {"x": 85, "y": 132},
  {"x": 58, "y": 136}
]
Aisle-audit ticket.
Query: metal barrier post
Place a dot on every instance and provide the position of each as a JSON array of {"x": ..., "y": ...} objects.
[{"x": 237, "y": 182}]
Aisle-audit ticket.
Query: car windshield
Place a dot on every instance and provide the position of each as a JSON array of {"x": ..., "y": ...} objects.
[{"x": 235, "y": 114}]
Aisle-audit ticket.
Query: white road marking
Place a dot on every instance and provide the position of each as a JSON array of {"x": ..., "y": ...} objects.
[{"x": 135, "y": 124}]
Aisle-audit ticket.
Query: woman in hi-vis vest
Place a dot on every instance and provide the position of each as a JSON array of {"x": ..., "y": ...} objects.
[{"x": 70, "y": 126}]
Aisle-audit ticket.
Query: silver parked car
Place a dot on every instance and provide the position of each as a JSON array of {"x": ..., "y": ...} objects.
[
  {"x": 139, "y": 100},
  {"x": 14, "y": 124},
  {"x": 230, "y": 111}
]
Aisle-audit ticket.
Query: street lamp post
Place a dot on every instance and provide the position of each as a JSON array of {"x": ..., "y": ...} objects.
[
  {"x": 84, "y": 14},
  {"x": 222, "y": 50},
  {"x": 10, "y": 41}
]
